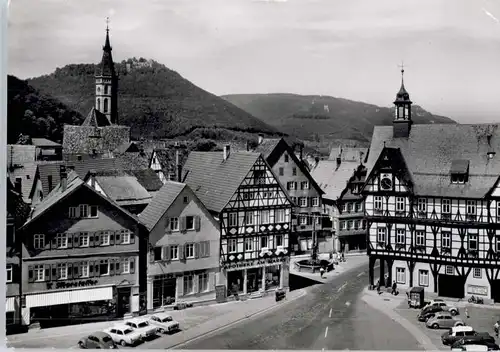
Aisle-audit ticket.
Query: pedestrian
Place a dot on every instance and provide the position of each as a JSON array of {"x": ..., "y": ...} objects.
[
  {"x": 466, "y": 313},
  {"x": 394, "y": 288},
  {"x": 378, "y": 286},
  {"x": 496, "y": 327},
  {"x": 321, "y": 271}
]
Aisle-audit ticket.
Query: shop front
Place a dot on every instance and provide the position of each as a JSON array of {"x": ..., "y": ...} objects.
[
  {"x": 11, "y": 311},
  {"x": 164, "y": 290}
]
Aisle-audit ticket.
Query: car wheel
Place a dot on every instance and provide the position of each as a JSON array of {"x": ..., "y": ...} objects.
[
  {"x": 454, "y": 312},
  {"x": 81, "y": 345},
  {"x": 435, "y": 326},
  {"x": 123, "y": 343}
]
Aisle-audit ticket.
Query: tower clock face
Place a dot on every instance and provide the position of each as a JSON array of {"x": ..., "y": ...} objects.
[{"x": 386, "y": 183}]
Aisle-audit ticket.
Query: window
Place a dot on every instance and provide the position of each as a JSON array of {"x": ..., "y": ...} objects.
[
  {"x": 400, "y": 236},
  {"x": 349, "y": 207},
  {"x": 449, "y": 270},
  {"x": 174, "y": 252},
  {"x": 84, "y": 269},
  {"x": 279, "y": 215},
  {"x": 401, "y": 275},
  {"x": 400, "y": 204},
  {"x": 105, "y": 238},
  {"x": 62, "y": 271},
  {"x": 189, "y": 222},
  {"x": 9, "y": 273},
  {"x": 84, "y": 239},
  {"x": 294, "y": 171},
  {"x": 190, "y": 250},
  {"x": 104, "y": 267},
  {"x": 279, "y": 240},
  {"x": 98, "y": 102},
  {"x": 315, "y": 202},
  {"x": 291, "y": 185},
  {"x": 73, "y": 212},
  {"x": 188, "y": 284},
  {"x": 342, "y": 225},
  {"x": 84, "y": 210},
  {"x": 286, "y": 158},
  {"x": 445, "y": 239},
  {"x": 174, "y": 224},
  {"x": 126, "y": 266},
  {"x": 259, "y": 177},
  {"x": 423, "y": 278},
  {"x": 377, "y": 203},
  {"x": 157, "y": 253},
  {"x": 39, "y": 273},
  {"x": 473, "y": 245},
  {"x": 39, "y": 241},
  {"x": 303, "y": 220},
  {"x": 381, "y": 234},
  {"x": 126, "y": 234},
  {"x": 358, "y": 206},
  {"x": 185, "y": 200},
  {"x": 93, "y": 211},
  {"x": 446, "y": 206},
  {"x": 281, "y": 171},
  {"x": 203, "y": 282},
  {"x": 344, "y": 207},
  {"x": 420, "y": 238},
  {"x": 248, "y": 244},
  {"x": 106, "y": 89},
  {"x": 105, "y": 105},
  {"x": 264, "y": 217},
  {"x": 471, "y": 207},
  {"x": 62, "y": 240},
  {"x": 349, "y": 224},
  {"x": 303, "y": 202},
  {"x": 356, "y": 224},
  {"x": 458, "y": 178},
  {"x": 263, "y": 242},
  {"x": 249, "y": 218},
  {"x": 204, "y": 249},
  {"x": 422, "y": 205},
  {"x": 477, "y": 273},
  {"x": 233, "y": 219},
  {"x": 232, "y": 245},
  {"x": 304, "y": 185}
]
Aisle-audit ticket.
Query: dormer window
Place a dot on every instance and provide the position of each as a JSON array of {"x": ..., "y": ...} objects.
[{"x": 459, "y": 171}]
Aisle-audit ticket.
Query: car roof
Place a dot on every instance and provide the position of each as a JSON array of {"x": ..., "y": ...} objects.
[
  {"x": 443, "y": 313},
  {"x": 161, "y": 315},
  {"x": 120, "y": 327},
  {"x": 136, "y": 320},
  {"x": 476, "y": 347},
  {"x": 99, "y": 334},
  {"x": 462, "y": 328}
]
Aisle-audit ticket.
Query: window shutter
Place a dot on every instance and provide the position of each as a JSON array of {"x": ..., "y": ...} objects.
[
  {"x": 196, "y": 250},
  {"x": 54, "y": 276},
  {"x": 31, "y": 274},
  {"x": 98, "y": 238},
  {"x": 132, "y": 237},
  {"x": 91, "y": 269},
  {"x": 207, "y": 249},
  {"x": 111, "y": 238},
  {"x": 181, "y": 252},
  {"x": 132, "y": 265},
  {"x": 69, "y": 271},
  {"x": 53, "y": 243},
  {"x": 151, "y": 255},
  {"x": 197, "y": 224},
  {"x": 168, "y": 230},
  {"x": 112, "y": 267},
  {"x": 167, "y": 253},
  {"x": 91, "y": 239},
  {"x": 118, "y": 267},
  {"x": 183, "y": 223},
  {"x": 96, "y": 268},
  {"x": 295, "y": 185},
  {"x": 47, "y": 272},
  {"x": 76, "y": 239},
  {"x": 118, "y": 237},
  {"x": 288, "y": 185},
  {"x": 76, "y": 270},
  {"x": 69, "y": 237}
]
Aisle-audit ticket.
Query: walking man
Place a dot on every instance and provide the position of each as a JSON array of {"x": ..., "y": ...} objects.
[
  {"x": 394, "y": 288},
  {"x": 378, "y": 287}
]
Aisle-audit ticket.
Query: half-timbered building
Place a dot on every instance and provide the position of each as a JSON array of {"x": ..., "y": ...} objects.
[
  {"x": 433, "y": 205},
  {"x": 254, "y": 214}
]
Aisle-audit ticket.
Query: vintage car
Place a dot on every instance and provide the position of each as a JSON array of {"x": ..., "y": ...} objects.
[
  {"x": 98, "y": 339},
  {"x": 445, "y": 306},
  {"x": 142, "y": 326},
  {"x": 443, "y": 320},
  {"x": 164, "y": 322},
  {"x": 123, "y": 335}
]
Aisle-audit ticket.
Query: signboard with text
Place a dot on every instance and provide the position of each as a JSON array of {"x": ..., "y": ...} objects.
[
  {"x": 477, "y": 290},
  {"x": 254, "y": 263}
]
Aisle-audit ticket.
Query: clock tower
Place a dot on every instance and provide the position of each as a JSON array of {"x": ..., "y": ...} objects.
[{"x": 402, "y": 115}]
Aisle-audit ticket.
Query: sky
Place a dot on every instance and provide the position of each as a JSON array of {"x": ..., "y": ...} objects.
[{"x": 344, "y": 48}]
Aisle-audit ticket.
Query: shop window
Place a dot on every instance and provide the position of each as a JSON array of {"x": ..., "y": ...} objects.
[
  {"x": 188, "y": 284},
  {"x": 203, "y": 282},
  {"x": 273, "y": 274}
]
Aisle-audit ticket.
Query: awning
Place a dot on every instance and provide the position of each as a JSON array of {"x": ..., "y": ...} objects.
[
  {"x": 459, "y": 166},
  {"x": 10, "y": 304},
  {"x": 71, "y": 296}
]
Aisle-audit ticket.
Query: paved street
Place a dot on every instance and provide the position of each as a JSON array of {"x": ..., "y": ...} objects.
[{"x": 330, "y": 316}]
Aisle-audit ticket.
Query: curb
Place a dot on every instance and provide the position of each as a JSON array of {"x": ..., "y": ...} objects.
[{"x": 225, "y": 326}]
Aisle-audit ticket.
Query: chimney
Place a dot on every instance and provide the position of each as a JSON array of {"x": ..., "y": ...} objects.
[
  {"x": 261, "y": 138},
  {"x": 301, "y": 151},
  {"x": 64, "y": 177},
  {"x": 227, "y": 151},
  {"x": 178, "y": 165},
  {"x": 92, "y": 178},
  {"x": 18, "y": 185}
]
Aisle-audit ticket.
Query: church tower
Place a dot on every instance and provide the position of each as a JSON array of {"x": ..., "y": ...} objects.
[
  {"x": 402, "y": 119},
  {"x": 106, "y": 84}
]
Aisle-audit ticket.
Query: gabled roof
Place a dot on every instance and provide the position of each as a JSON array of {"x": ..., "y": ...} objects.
[
  {"x": 44, "y": 142},
  {"x": 332, "y": 179},
  {"x": 214, "y": 180},
  {"x": 161, "y": 203},
  {"x": 96, "y": 118},
  {"x": 134, "y": 161},
  {"x": 148, "y": 179},
  {"x": 167, "y": 157},
  {"x": 128, "y": 147},
  {"x": 267, "y": 146},
  {"x": 430, "y": 150},
  {"x": 27, "y": 173},
  {"x": 18, "y": 154},
  {"x": 58, "y": 194}
]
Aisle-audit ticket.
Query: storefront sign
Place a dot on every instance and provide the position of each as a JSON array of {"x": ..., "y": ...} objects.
[
  {"x": 63, "y": 284},
  {"x": 477, "y": 290},
  {"x": 254, "y": 263}
]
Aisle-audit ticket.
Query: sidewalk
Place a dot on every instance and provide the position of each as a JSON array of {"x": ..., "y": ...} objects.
[
  {"x": 351, "y": 262},
  {"x": 194, "y": 322}
]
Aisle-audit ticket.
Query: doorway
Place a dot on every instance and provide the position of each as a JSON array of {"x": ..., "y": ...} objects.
[
  {"x": 452, "y": 286},
  {"x": 123, "y": 301}
]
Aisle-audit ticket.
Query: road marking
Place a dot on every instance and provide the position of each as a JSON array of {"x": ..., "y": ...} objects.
[
  {"x": 326, "y": 332},
  {"x": 342, "y": 287},
  {"x": 361, "y": 274},
  {"x": 330, "y": 314},
  {"x": 348, "y": 303}
]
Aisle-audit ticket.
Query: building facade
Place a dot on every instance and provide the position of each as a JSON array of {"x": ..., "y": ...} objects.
[
  {"x": 81, "y": 256},
  {"x": 432, "y": 205},
  {"x": 183, "y": 258},
  {"x": 253, "y": 211}
]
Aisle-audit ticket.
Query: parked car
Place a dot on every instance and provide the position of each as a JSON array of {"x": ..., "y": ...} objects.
[
  {"x": 471, "y": 348},
  {"x": 98, "y": 339},
  {"x": 425, "y": 314},
  {"x": 484, "y": 339},
  {"x": 443, "y": 320},
  {"x": 445, "y": 306},
  {"x": 142, "y": 326},
  {"x": 123, "y": 335},
  {"x": 164, "y": 322},
  {"x": 457, "y": 333}
]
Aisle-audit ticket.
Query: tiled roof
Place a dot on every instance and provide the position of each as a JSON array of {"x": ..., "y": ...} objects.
[
  {"x": 166, "y": 157},
  {"x": 96, "y": 118},
  {"x": 123, "y": 188},
  {"x": 160, "y": 203},
  {"x": 267, "y": 146},
  {"x": 214, "y": 180},
  {"x": 349, "y": 154},
  {"x": 136, "y": 160},
  {"x": 87, "y": 139},
  {"x": 17, "y": 209},
  {"x": 128, "y": 147},
  {"x": 331, "y": 179},
  {"x": 431, "y": 149},
  {"x": 27, "y": 173},
  {"x": 18, "y": 154},
  {"x": 148, "y": 179},
  {"x": 44, "y": 142}
]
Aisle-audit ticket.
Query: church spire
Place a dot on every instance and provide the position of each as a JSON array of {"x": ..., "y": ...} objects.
[{"x": 402, "y": 119}]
